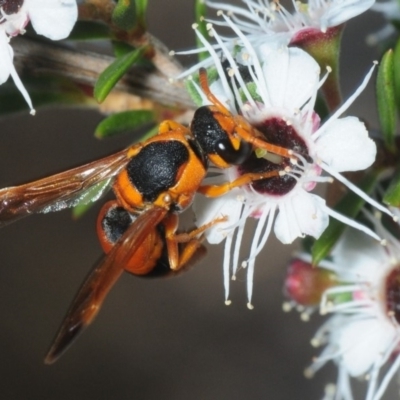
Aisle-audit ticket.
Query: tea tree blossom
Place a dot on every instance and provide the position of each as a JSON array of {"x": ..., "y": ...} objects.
[
  {"x": 265, "y": 16},
  {"x": 363, "y": 334},
  {"x": 275, "y": 89},
  {"x": 53, "y": 19},
  {"x": 263, "y": 21}
]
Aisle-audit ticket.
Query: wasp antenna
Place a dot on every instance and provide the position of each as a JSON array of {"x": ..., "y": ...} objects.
[{"x": 206, "y": 90}]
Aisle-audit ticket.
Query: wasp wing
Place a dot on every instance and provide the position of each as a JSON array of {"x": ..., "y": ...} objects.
[
  {"x": 58, "y": 191},
  {"x": 99, "y": 282}
]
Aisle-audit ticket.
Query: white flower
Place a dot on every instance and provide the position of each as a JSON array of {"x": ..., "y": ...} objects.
[
  {"x": 51, "y": 18},
  {"x": 265, "y": 16},
  {"x": 278, "y": 99},
  {"x": 263, "y": 21},
  {"x": 363, "y": 334}
]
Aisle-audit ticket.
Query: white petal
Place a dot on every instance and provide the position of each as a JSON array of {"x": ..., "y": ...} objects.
[
  {"x": 311, "y": 217},
  {"x": 300, "y": 215},
  {"x": 291, "y": 76},
  {"x": 341, "y": 11},
  {"x": 363, "y": 342},
  {"x": 53, "y": 18},
  {"x": 6, "y": 57},
  {"x": 361, "y": 258},
  {"x": 345, "y": 145},
  {"x": 207, "y": 210}
]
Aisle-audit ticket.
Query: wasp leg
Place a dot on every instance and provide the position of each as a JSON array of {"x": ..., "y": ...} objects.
[
  {"x": 192, "y": 241},
  {"x": 219, "y": 190},
  {"x": 252, "y": 135}
]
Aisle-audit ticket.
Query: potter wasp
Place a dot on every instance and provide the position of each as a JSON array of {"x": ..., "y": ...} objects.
[{"x": 153, "y": 181}]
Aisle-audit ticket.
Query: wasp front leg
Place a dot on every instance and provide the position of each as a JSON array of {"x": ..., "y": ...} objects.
[
  {"x": 192, "y": 240},
  {"x": 245, "y": 179}
]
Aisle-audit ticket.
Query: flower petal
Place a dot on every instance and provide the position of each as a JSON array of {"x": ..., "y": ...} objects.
[
  {"x": 53, "y": 18},
  {"x": 300, "y": 215},
  {"x": 207, "y": 210},
  {"x": 363, "y": 342},
  {"x": 6, "y": 57},
  {"x": 345, "y": 145},
  {"x": 360, "y": 256},
  {"x": 291, "y": 77},
  {"x": 338, "y": 12}
]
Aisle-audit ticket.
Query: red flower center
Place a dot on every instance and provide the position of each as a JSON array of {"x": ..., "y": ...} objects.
[
  {"x": 11, "y": 6},
  {"x": 276, "y": 131},
  {"x": 393, "y": 293}
]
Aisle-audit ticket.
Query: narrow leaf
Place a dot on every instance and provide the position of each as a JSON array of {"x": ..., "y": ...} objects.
[
  {"x": 48, "y": 91},
  {"x": 349, "y": 206},
  {"x": 123, "y": 122},
  {"x": 396, "y": 66},
  {"x": 385, "y": 96},
  {"x": 89, "y": 197},
  {"x": 141, "y": 8},
  {"x": 114, "y": 72},
  {"x": 124, "y": 14},
  {"x": 200, "y": 13},
  {"x": 392, "y": 195}
]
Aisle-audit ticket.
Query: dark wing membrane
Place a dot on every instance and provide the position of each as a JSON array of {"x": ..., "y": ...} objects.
[
  {"x": 99, "y": 282},
  {"x": 57, "y": 191}
]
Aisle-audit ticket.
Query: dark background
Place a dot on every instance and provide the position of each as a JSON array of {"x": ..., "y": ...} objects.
[{"x": 174, "y": 338}]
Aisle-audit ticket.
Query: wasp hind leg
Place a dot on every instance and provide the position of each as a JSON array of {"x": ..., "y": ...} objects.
[{"x": 192, "y": 241}]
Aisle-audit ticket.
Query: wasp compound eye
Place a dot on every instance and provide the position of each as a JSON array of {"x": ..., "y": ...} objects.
[{"x": 226, "y": 151}]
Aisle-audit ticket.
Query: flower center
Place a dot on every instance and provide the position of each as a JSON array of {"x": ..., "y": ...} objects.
[
  {"x": 276, "y": 131},
  {"x": 393, "y": 293},
  {"x": 11, "y": 6}
]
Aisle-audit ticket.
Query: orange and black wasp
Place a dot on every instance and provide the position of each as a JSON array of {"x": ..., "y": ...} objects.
[{"x": 153, "y": 181}]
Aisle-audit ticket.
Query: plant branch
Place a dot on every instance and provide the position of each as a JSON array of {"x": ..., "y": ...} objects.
[{"x": 83, "y": 67}]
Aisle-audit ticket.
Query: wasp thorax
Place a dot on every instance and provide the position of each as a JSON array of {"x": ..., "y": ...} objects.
[
  {"x": 11, "y": 6},
  {"x": 278, "y": 132},
  {"x": 393, "y": 293}
]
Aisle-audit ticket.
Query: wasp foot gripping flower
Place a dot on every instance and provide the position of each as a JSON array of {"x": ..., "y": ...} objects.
[
  {"x": 275, "y": 89},
  {"x": 51, "y": 18},
  {"x": 362, "y": 336}
]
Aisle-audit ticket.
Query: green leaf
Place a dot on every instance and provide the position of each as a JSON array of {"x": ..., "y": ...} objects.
[
  {"x": 349, "y": 206},
  {"x": 89, "y": 197},
  {"x": 385, "y": 97},
  {"x": 141, "y": 8},
  {"x": 89, "y": 30},
  {"x": 396, "y": 66},
  {"x": 190, "y": 85},
  {"x": 48, "y": 91},
  {"x": 114, "y": 72},
  {"x": 123, "y": 122},
  {"x": 392, "y": 195},
  {"x": 124, "y": 14},
  {"x": 200, "y": 13},
  {"x": 122, "y": 48}
]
